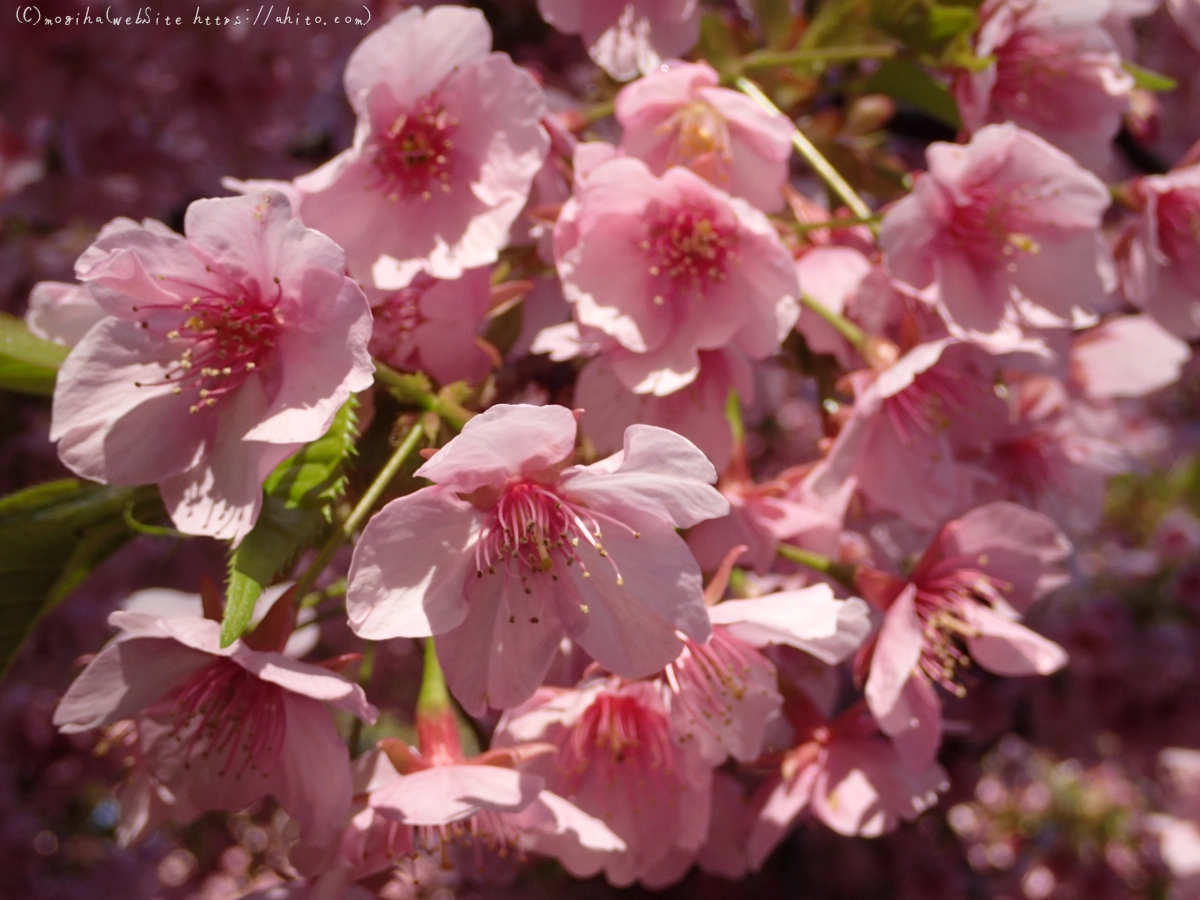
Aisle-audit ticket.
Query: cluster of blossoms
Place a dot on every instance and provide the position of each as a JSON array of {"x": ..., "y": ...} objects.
[{"x": 736, "y": 489}]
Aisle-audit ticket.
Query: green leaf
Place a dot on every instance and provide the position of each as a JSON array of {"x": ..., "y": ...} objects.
[
  {"x": 926, "y": 26},
  {"x": 297, "y": 507},
  {"x": 51, "y": 536},
  {"x": 909, "y": 83},
  {"x": 1149, "y": 80},
  {"x": 27, "y": 363}
]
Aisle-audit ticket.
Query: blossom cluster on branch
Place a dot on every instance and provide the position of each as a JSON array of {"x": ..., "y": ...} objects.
[{"x": 705, "y": 431}]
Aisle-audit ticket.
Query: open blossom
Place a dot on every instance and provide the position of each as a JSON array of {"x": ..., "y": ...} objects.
[
  {"x": 669, "y": 266},
  {"x": 513, "y": 548},
  {"x": 724, "y": 692},
  {"x": 488, "y": 799},
  {"x": 898, "y": 443},
  {"x": 970, "y": 586},
  {"x": 447, "y": 146},
  {"x": 626, "y": 37},
  {"x": 618, "y": 760},
  {"x": 1056, "y": 72},
  {"x": 221, "y": 354},
  {"x": 431, "y": 326},
  {"x": 678, "y": 116},
  {"x": 219, "y": 728},
  {"x": 1006, "y": 227},
  {"x": 1160, "y": 256},
  {"x": 846, "y": 774}
]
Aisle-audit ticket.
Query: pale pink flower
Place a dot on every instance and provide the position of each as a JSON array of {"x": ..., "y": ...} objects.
[
  {"x": 1044, "y": 456},
  {"x": 618, "y": 760},
  {"x": 678, "y": 116},
  {"x": 219, "y": 728},
  {"x": 627, "y": 37},
  {"x": 447, "y": 146},
  {"x": 1160, "y": 255},
  {"x": 697, "y": 411},
  {"x": 62, "y": 313},
  {"x": 669, "y": 266},
  {"x": 1006, "y": 227},
  {"x": 488, "y": 799},
  {"x": 1056, "y": 72},
  {"x": 970, "y": 586},
  {"x": 846, "y": 774},
  {"x": 432, "y": 326},
  {"x": 723, "y": 693},
  {"x": 514, "y": 547},
  {"x": 222, "y": 353},
  {"x": 898, "y": 443}
]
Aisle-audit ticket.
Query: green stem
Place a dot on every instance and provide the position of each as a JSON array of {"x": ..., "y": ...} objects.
[
  {"x": 843, "y": 326},
  {"x": 408, "y": 389},
  {"x": 593, "y": 114},
  {"x": 841, "y": 572},
  {"x": 811, "y": 154},
  {"x": 764, "y": 59},
  {"x": 356, "y": 518},
  {"x": 803, "y": 228}
]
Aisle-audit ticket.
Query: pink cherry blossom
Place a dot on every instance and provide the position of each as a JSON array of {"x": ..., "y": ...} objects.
[
  {"x": 678, "y": 116},
  {"x": 513, "y": 547},
  {"x": 486, "y": 800},
  {"x": 849, "y": 776},
  {"x": 723, "y": 693},
  {"x": 1006, "y": 228},
  {"x": 1056, "y": 72},
  {"x": 432, "y": 326},
  {"x": 1046, "y": 456},
  {"x": 970, "y": 586},
  {"x": 669, "y": 266},
  {"x": 1160, "y": 256},
  {"x": 447, "y": 145},
  {"x": 219, "y": 728},
  {"x": 908, "y": 415},
  {"x": 221, "y": 354},
  {"x": 619, "y": 761},
  {"x": 626, "y": 37},
  {"x": 697, "y": 411},
  {"x": 62, "y": 313}
]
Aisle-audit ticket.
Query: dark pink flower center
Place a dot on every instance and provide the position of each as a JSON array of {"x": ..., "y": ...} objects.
[
  {"x": 927, "y": 406},
  {"x": 227, "y": 717},
  {"x": 939, "y": 600},
  {"x": 621, "y": 740},
  {"x": 692, "y": 245},
  {"x": 1179, "y": 224},
  {"x": 225, "y": 335},
  {"x": 987, "y": 229},
  {"x": 532, "y": 529},
  {"x": 396, "y": 318},
  {"x": 413, "y": 156}
]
